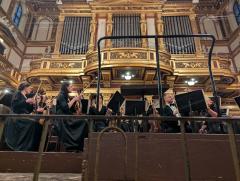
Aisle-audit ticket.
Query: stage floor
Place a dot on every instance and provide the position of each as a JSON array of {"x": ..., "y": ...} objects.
[{"x": 42, "y": 177}]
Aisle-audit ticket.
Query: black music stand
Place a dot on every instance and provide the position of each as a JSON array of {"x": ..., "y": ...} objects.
[
  {"x": 84, "y": 103},
  {"x": 116, "y": 102},
  {"x": 191, "y": 102},
  {"x": 237, "y": 100},
  {"x": 134, "y": 107}
]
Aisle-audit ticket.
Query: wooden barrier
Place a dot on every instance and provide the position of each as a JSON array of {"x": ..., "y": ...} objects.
[
  {"x": 160, "y": 157},
  {"x": 52, "y": 162}
]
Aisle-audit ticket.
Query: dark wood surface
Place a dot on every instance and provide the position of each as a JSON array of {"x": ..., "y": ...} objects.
[
  {"x": 160, "y": 157},
  {"x": 24, "y": 162}
]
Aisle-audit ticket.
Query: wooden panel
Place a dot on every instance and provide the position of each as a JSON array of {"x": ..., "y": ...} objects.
[
  {"x": 24, "y": 162},
  {"x": 160, "y": 157}
]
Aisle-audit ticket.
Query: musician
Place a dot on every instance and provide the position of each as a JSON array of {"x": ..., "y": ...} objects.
[
  {"x": 23, "y": 134},
  {"x": 171, "y": 110},
  {"x": 70, "y": 132},
  {"x": 210, "y": 127},
  {"x": 98, "y": 124}
]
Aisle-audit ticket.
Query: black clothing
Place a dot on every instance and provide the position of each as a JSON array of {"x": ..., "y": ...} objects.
[
  {"x": 99, "y": 125},
  {"x": 70, "y": 132},
  {"x": 213, "y": 127},
  {"x": 169, "y": 126},
  {"x": 22, "y": 134},
  {"x": 19, "y": 104},
  {"x": 62, "y": 104}
]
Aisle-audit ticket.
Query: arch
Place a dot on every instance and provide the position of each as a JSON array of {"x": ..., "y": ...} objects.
[
  {"x": 43, "y": 29},
  {"x": 207, "y": 26}
]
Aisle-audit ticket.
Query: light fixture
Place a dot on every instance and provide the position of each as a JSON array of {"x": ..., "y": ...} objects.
[
  {"x": 69, "y": 81},
  {"x": 191, "y": 82},
  {"x": 195, "y": 1},
  {"x": 6, "y": 91},
  {"x": 127, "y": 76},
  {"x": 59, "y": 2},
  {"x": 1, "y": 40}
]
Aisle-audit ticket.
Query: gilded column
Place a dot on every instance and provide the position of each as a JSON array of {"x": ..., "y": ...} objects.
[
  {"x": 109, "y": 29},
  {"x": 59, "y": 34},
  {"x": 143, "y": 29},
  {"x": 160, "y": 30},
  {"x": 93, "y": 28},
  {"x": 195, "y": 31}
]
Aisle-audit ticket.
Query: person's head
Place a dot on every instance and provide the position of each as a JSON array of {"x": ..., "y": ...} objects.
[
  {"x": 168, "y": 98},
  {"x": 66, "y": 87},
  {"x": 25, "y": 87},
  {"x": 94, "y": 98}
]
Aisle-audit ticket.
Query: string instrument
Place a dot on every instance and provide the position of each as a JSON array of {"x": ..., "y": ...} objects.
[
  {"x": 36, "y": 96},
  {"x": 154, "y": 124},
  {"x": 80, "y": 92}
]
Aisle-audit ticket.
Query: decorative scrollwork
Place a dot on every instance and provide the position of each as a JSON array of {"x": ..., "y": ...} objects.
[
  {"x": 128, "y": 55},
  {"x": 191, "y": 65},
  {"x": 35, "y": 65},
  {"x": 224, "y": 65},
  {"x": 66, "y": 65}
]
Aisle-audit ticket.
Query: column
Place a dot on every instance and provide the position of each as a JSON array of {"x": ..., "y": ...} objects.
[
  {"x": 59, "y": 34},
  {"x": 143, "y": 29},
  {"x": 160, "y": 31},
  {"x": 93, "y": 28},
  {"x": 195, "y": 31},
  {"x": 109, "y": 29}
]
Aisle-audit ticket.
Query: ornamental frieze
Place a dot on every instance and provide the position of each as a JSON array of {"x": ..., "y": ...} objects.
[
  {"x": 128, "y": 55},
  {"x": 191, "y": 65},
  {"x": 66, "y": 65},
  {"x": 164, "y": 60},
  {"x": 224, "y": 65},
  {"x": 35, "y": 65}
]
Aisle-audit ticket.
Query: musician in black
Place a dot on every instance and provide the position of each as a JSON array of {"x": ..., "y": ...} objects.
[
  {"x": 99, "y": 125},
  {"x": 70, "y": 132},
  {"x": 210, "y": 127},
  {"x": 23, "y": 134},
  {"x": 170, "y": 110}
]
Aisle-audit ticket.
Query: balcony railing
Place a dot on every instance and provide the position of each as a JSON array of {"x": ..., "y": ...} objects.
[{"x": 142, "y": 57}]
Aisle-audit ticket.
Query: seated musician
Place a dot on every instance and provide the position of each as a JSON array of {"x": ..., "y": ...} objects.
[
  {"x": 171, "y": 110},
  {"x": 210, "y": 127},
  {"x": 99, "y": 125},
  {"x": 70, "y": 132},
  {"x": 23, "y": 134}
]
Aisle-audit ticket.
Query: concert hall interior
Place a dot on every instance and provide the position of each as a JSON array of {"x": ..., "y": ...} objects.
[{"x": 49, "y": 58}]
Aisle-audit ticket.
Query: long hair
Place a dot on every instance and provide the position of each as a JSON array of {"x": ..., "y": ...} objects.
[
  {"x": 64, "y": 90},
  {"x": 23, "y": 85},
  {"x": 64, "y": 87}
]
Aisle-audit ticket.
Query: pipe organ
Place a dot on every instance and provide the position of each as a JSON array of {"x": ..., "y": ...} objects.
[
  {"x": 126, "y": 25},
  {"x": 76, "y": 35},
  {"x": 178, "y": 25}
]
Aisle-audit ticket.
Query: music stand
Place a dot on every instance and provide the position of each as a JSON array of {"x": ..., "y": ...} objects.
[
  {"x": 191, "y": 101},
  {"x": 84, "y": 103},
  {"x": 134, "y": 107},
  {"x": 116, "y": 102}
]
